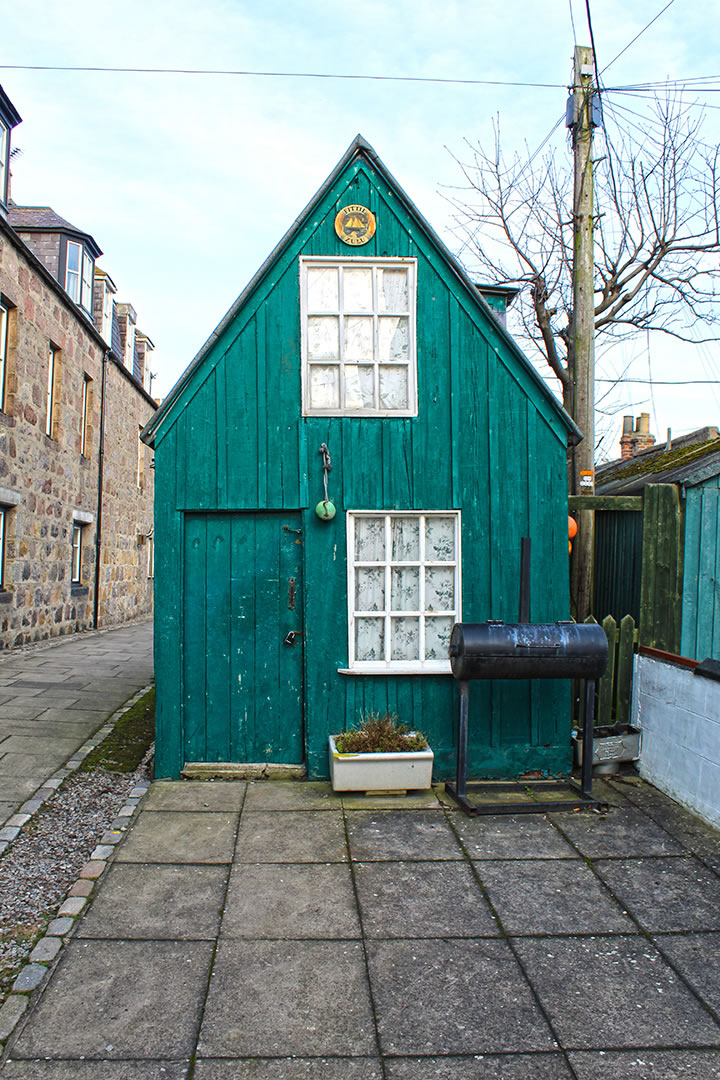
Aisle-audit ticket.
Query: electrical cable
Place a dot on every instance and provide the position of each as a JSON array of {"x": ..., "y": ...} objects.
[{"x": 623, "y": 51}]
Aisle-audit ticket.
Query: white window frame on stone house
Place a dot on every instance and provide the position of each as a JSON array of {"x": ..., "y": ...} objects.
[
  {"x": 358, "y": 336},
  {"x": 151, "y": 554},
  {"x": 3, "y": 513},
  {"x": 76, "y": 567},
  {"x": 52, "y": 387},
  {"x": 4, "y": 161},
  {"x": 85, "y": 415},
  {"x": 404, "y": 590},
  {"x": 4, "y": 314},
  {"x": 79, "y": 277},
  {"x": 9, "y": 499}
]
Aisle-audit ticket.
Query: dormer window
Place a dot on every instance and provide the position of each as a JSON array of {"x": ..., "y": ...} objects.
[
  {"x": 4, "y": 161},
  {"x": 79, "y": 267}
]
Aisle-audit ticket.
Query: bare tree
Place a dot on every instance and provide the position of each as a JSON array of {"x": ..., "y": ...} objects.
[{"x": 657, "y": 221}]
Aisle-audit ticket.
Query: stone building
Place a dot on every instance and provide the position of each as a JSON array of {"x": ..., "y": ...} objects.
[{"x": 76, "y": 483}]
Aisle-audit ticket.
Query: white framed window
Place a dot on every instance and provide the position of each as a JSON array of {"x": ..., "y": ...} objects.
[
  {"x": 76, "y": 568},
  {"x": 3, "y": 353},
  {"x": 404, "y": 589},
  {"x": 4, "y": 161},
  {"x": 85, "y": 416},
  {"x": 79, "y": 270},
  {"x": 151, "y": 554},
  {"x": 358, "y": 337},
  {"x": 2, "y": 548},
  {"x": 51, "y": 401}
]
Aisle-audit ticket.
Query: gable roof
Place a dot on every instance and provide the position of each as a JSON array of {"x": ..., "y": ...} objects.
[
  {"x": 359, "y": 148},
  {"x": 689, "y": 460}
]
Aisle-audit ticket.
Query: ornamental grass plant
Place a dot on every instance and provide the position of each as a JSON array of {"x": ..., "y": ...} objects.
[{"x": 380, "y": 733}]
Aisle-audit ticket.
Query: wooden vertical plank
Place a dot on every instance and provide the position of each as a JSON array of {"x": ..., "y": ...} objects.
[
  {"x": 690, "y": 595},
  {"x": 607, "y": 681},
  {"x": 194, "y": 637},
  {"x": 624, "y": 670},
  {"x": 660, "y": 588},
  {"x": 218, "y": 636}
]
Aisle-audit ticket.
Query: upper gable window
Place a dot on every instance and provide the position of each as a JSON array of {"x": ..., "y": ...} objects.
[
  {"x": 4, "y": 161},
  {"x": 358, "y": 337}
]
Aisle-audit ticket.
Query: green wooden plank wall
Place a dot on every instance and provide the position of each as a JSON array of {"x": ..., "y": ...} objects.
[
  {"x": 700, "y": 637},
  {"x": 485, "y": 442}
]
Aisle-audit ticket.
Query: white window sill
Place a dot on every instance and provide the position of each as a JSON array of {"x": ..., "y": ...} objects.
[{"x": 402, "y": 670}]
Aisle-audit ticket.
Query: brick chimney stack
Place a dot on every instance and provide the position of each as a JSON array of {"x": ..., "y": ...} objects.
[{"x": 637, "y": 438}]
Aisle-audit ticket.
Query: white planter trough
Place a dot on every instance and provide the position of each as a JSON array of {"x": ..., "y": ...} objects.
[{"x": 399, "y": 771}]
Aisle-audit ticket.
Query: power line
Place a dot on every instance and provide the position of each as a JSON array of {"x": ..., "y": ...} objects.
[
  {"x": 665, "y": 382},
  {"x": 276, "y": 75},
  {"x": 622, "y": 51}
]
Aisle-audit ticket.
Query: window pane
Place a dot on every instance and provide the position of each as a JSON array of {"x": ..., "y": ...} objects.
[
  {"x": 322, "y": 339},
  {"x": 393, "y": 388},
  {"x": 324, "y": 387},
  {"x": 369, "y": 539},
  {"x": 394, "y": 344},
  {"x": 405, "y": 642},
  {"x": 359, "y": 387},
  {"x": 358, "y": 338},
  {"x": 357, "y": 290},
  {"x": 393, "y": 290},
  {"x": 370, "y": 589},
  {"x": 405, "y": 539},
  {"x": 370, "y": 639},
  {"x": 73, "y": 257},
  {"x": 405, "y": 594},
  {"x": 437, "y": 638},
  {"x": 440, "y": 588},
  {"x": 322, "y": 288},
  {"x": 440, "y": 539}
]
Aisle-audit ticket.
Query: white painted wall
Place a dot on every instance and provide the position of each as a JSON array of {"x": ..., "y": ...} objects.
[{"x": 678, "y": 713}]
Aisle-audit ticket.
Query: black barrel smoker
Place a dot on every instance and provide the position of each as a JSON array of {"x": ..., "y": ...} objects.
[{"x": 525, "y": 650}]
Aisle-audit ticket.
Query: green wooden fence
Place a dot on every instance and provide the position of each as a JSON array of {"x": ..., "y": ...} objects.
[{"x": 614, "y": 692}]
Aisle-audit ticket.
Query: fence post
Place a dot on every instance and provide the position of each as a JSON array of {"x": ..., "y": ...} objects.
[{"x": 624, "y": 673}]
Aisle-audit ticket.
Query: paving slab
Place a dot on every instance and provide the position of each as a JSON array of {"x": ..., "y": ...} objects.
[
  {"x": 168, "y": 836},
  {"x": 422, "y": 900},
  {"x": 196, "y": 795},
  {"x": 691, "y": 831},
  {"x": 394, "y": 834},
  {"x": 622, "y": 832},
  {"x": 647, "y": 1065},
  {"x": 291, "y": 901},
  {"x": 152, "y": 901},
  {"x": 290, "y": 1069},
  {"x": 512, "y": 836},
  {"x": 697, "y": 958},
  {"x": 467, "y": 997},
  {"x": 291, "y": 795},
  {"x": 665, "y": 894},
  {"x": 293, "y": 836},
  {"x": 120, "y": 990},
  {"x": 413, "y": 800},
  {"x": 612, "y": 993},
  {"x": 278, "y": 998},
  {"x": 554, "y": 897},
  {"x": 540, "y": 1066},
  {"x": 96, "y": 1070}
]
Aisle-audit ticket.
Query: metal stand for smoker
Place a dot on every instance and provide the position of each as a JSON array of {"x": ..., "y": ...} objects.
[{"x": 584, "y": 800}]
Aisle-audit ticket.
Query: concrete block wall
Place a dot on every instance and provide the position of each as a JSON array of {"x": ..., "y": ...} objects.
[
  {"x": 49, "y": 480},
  {"x": 678, "y": 713}
]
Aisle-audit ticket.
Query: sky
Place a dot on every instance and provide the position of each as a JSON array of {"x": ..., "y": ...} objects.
[{"x": 187, "y": 182}]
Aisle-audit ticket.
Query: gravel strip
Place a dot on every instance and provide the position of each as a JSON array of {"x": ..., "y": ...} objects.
[{"x": 45, "y": 860}]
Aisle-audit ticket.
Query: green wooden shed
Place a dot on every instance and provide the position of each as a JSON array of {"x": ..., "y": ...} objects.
[{"x": 275, "y": 626}]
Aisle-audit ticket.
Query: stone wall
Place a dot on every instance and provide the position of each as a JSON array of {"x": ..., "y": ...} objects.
[{"x": 49, "y": 485}]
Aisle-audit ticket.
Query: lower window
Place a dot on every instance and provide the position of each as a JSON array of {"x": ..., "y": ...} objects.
[
  {"x": 76, "y": 571},
  {"x": 403, "y": 589}
]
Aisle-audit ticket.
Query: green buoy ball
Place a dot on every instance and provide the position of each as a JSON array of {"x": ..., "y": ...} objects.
[{"x": 325, "y": 510}]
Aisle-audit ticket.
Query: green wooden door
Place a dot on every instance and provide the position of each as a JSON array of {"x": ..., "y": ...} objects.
[{"x": 243, "y": 698}]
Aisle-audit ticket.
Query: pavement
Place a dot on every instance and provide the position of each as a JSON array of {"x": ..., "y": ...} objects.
[
  {"x": 55, "y": 695},
  {"x": 268, "y": 930}
]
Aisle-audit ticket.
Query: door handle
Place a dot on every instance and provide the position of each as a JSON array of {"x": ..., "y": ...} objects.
[{"x": 289, "y": 638}]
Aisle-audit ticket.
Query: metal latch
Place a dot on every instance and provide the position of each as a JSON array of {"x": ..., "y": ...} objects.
[{"x": 289, "y": 638}]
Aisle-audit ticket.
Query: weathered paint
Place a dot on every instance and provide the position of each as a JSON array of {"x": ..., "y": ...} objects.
[
  {"x": 487, "y": 440},
  {"x": 700, "y": 637}
]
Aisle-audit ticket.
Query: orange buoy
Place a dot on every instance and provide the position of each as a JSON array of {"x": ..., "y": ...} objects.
[{"x": 572, "y": 527}]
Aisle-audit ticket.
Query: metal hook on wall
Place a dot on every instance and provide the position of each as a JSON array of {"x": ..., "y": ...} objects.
[{"x": 325, "y": 509}]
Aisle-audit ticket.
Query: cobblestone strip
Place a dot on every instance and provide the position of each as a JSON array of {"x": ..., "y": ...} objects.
[{"x": 47, "y": 949}]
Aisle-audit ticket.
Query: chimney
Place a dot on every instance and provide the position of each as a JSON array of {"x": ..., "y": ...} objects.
[{"x": 635, "y": 439}]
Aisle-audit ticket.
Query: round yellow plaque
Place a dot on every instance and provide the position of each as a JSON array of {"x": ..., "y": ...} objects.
[{"x": 355, "y": 225}]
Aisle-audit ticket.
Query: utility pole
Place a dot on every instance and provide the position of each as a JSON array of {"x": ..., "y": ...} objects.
[{"x": 582, "y": 457}]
